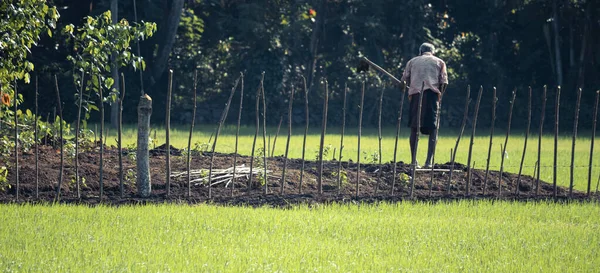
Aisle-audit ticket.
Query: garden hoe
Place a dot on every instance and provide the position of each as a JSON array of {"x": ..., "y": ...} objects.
[{"x": 364, "y": 64}]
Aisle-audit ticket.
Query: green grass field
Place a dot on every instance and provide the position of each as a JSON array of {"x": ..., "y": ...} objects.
[
  {"x": 460, "y": 236},
  {"x": 369, "y": 145}
]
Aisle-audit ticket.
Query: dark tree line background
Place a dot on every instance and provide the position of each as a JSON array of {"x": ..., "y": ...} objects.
[{"x": 504, "y": 43}]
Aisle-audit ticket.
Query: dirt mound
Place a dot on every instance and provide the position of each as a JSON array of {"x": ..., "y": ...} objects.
[{"x": 370, "y": 190}]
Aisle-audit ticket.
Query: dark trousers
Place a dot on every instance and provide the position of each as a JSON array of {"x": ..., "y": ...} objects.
[{"x": 429, "y": 122}]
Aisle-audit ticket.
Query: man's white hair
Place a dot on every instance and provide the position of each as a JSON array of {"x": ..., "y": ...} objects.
[{"x": 427, "y": 47}]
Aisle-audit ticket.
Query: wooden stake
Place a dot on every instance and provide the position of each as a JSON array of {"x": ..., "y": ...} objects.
[
  {"x": 214, "y": 146},
  {"x": 62, "y": 154},
  {"x": 339, "y": 177},
  {"x": 462, "y": 129},
  {"x": 237, "y": 133},
  {"x": 168, "y": 133},
  {"x": 323, "y": 131},
  {"x": 379, "y": 138},
  {"x": 287, "y": 144},
  {"x": 510, "y": 111},
  {"x": 189, "y": 183},
  {"x": 433, "y": 156},
  {"x": 16, "y": 96},
  {"x": 524, "y": 145},
  {"x": 101, "y": 167},
  {"x": 360, "y": 116},
  {"x": 37, "y": 153},
  {"x": 276, "y": 134},
  {"x": 120, "y": 136},
  {"x": 398, "y": 126},
  {"x": 487, "y": 166},
  {"x": 575, "y": 121},
  {"x": 305, "y": 132},
  {"x": 592, "y": 144},
  {"x": 556, "y": 119},
  {"x": 266, "y": 150},
  {"x": 472, "y": 137},
  {"x": 539, "y": 165},
  {"x": 257, "y": 128},
  {"x": 414, "y": 153}
]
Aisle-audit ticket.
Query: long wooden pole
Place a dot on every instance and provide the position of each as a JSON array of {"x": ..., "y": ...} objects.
[
  {"x": 37, "y": 152},
  {"x": 472, "y": 140},
  {"x": 589, "y": 187},
  {"x": 462, "y": 129},
  {"x": 575, "y": 121},
  {"x": 266, "y": 150},
  {"x": 256, "y": 111},
  {"x": 487, "y": 166},
  {"x": 360, "y": 116},
  {"x": 398, "y": 126},
  {"x": 339, "y": 174},
  {"x": 101, "y": 134},
  {"x": 121, "y": 183},
  {"x": 379, "y": 139},
  {"x": 510, "y": 111},
  {"x": 305, "y": 132},
  {"x": 16, "y": 96},
  {"x": 237, "y": 134},
  {"x": 287, "y": 144},
  {"x": 414, "y": 152},
  {"x": 541, "y": 131},
  {"x": 189, "y": 181},
  {"x": 214, "y": 146},
  {"x": 436, "y": 137},
  {"x": 556, "y": 119},
  {"x": 62, "y": 153},
  {"x": 323, "y": 132},
  {"x": 525, "y": 144},
  {"x": 168, "y": 133}
]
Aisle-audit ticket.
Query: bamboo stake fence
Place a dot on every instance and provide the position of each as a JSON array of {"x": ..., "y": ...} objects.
[
  {"x": 525, "y": 144},
  {"x": 237, "y": 132},
  {"x": 189, "y": 151},
  {"x": 503, "y": 155},
  {"x": 487, "y": 165}
]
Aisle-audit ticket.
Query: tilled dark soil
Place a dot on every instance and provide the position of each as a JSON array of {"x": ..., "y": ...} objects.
[{"x": 369, "y": 191}]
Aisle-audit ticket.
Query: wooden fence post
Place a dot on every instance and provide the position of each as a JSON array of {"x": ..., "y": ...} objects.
[
  {"x": 16, "y": 95},
  {"x": 398, "y": 126},
  {"x": 379, "y": 139},
  {"x": 256, "y": 111},
  {"x": 487, "y": 166},
  {"x": 472, "y": 137},
  {"x": 287, "y": 144},
  {"x": 510, "y": 111},
  {"x": 168, "y": 133},
  {"x": 592, "y": 144},
  {"x": 539, "y": 165},
  {"x": 462, "y": 129},
  {"x": 323, "y": 131},
  {"x": 62, "y": 153},
  {"x": 121, "y": 184},
  {"x": 305, "y": 132},
  {"x": 214, "y": 146},
  {"x": 237, "y": 134},
  {"x": 189, "y": 181},
  {"x": 360, "y": 116},
  {"x": 575, "y": 121},
  {"x": 37, "y": 152},
  {"x": 524, "y": 145},
  {"x": 266, "y": 150},
  {"x": 339, "y": 174},
  {"x": 556, "y": 119}
]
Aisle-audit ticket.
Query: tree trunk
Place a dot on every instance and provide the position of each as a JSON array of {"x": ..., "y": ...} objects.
[
  {"x": 167, "y": 40},
  {"x": 143, "y": 163},
  {"x": 114, "y": 106}
]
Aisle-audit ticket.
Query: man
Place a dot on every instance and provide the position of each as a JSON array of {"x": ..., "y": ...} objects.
[{"x": 429, "y": 72}]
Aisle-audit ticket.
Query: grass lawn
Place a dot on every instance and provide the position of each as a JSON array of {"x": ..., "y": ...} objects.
[
  {"x": 460, "y": 236},
  {"x": 369, "y": 147}
]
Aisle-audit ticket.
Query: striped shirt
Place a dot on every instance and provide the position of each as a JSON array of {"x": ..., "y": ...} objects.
[{"x": 425, "y": 68}]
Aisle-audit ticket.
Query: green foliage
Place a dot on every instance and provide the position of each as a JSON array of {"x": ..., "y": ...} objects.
[
  {"x": 22, "y": 24},
  {"x": 93, "y": 44}
]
